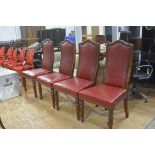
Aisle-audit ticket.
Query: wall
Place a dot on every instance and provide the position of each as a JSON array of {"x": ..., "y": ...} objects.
[{"x": 9, "y": 33}]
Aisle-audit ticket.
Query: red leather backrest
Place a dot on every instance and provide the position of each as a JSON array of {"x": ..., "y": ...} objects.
[
  {"x": 29, "y": 56},
  {"x": 48, "y": 55},
  {"x": 2, "y": 50},
  {"x": 22, "y": 55},
  {"x": 118, "y": 64},
  {"x": 67, "y": 57},
  {"x": 9, "y": 52},
  {"x": 88, "y": 60}
]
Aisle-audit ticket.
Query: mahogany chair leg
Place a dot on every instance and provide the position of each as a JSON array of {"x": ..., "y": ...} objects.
[
  {"x": 1, "y": 124},
  {"x": 56, "y": 100},
  {"x": 77, "y": 108},
  {"x": 40, "y": 91},
  {"x": 126, "y": 107},
  {"x": 110, "y": 118},
  {"x": 53, "y": 97},
  {"x": 24, "y": 84},
  {"x": 81, "y": 102},
  {"x": 34, "y": 88}
]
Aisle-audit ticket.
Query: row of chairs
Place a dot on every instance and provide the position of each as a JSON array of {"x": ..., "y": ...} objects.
[
  {"x": 17, "y": 62},
  {"x": 83, "y": 87}
]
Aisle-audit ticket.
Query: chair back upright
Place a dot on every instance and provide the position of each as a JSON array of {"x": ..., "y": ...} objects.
[
  {"x": 14, "y": 56},
  {"x": 88, "y": 60},
  {"x": 29, "y": 57},
  {"x": 2, "y": 50},
  {"x": 118, "y": 64},
  {"x": 67, "y": 57},
  {"x": 48, "y": 54},
  {"x": 22, "y": 55},
  {"x": 9, "y": 53}
]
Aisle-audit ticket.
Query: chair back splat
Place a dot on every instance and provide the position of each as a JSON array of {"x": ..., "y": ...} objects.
[
  {"x": 67, "y": 58},
  {"x": 48, "y": 55},
  {"x": 88, "y": 60}
]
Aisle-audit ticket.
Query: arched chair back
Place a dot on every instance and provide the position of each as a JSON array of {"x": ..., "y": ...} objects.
[
  {"x": 118, "y": 64},
  {"x": 2, "y": 50},
  {"x": 48, "y": 54},
  {"x": 67, "y": 57},
  {"x": 22, "y": 55},
  {"x": 29, "y": 57},
  {"x": 9, "y": 53},
  {"x": 14, "y": 56},
  {"x": 88, "y": 60}
]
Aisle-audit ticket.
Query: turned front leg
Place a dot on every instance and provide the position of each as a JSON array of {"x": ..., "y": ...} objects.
[
  {"x": 40, "y": 91},
  {"x": 77, "y": 108},
  {"x": 56, "y": 100},
  {"x": 81, "y": 102},
  {"x": 110, "y": 118},
  {"x": 53, "y": 97},
  {"x": 126, "y": 107},
  {"x": 1, "y": 124},
  {"x": 24, "y": 84},
  {"x": 34, "y": 88}
]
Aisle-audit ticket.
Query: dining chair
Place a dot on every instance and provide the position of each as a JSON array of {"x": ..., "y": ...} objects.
[
  {"x": 8, "y": 56},
  {"x": 2, "y": 57},
  {"x": 47, "y": 65},
  {"x": 12, "y": 60}
]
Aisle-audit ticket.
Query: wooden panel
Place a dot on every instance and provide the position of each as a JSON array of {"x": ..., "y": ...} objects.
[
  {"x": 95, "y": 31},
  {"x": 30, "y": 31}
]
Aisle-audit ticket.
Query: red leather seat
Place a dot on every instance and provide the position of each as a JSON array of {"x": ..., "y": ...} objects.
[
  {"x": 116, "y": 81},
  {"x": 86, "y": 73},
  {"x": 47, "y": 65},
  {"x": 73, "y": 85},
  {"x": 2, "y": 57},
  {"x": 103, "y": 94},
  {"x": 65, "y": 70},
  {"x": 35, "y": 72},
  {"x": 8, "y": 56},
  {"x": 49, "y": 79}
]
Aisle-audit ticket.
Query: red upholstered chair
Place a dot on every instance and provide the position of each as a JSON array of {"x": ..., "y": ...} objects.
[
  {"x": 8, "y": 56},
  {"x": 116, "y": 81},
  {"x": 2, "y": 57},
  {"x": 86, "y": 73},
  {"x": 28, "y": 64},
  {"x": 47, "y": 65},
  {"x": 65, "y": 71},
  {"x": 13, "y": 58},
  {"x": 18, "y": 61}
]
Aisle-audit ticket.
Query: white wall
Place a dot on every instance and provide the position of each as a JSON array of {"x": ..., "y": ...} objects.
[
  {"x": 9, "y": 33},
  {"x": 101, "y": 30},
  {"x": 115, "y": 33}
]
